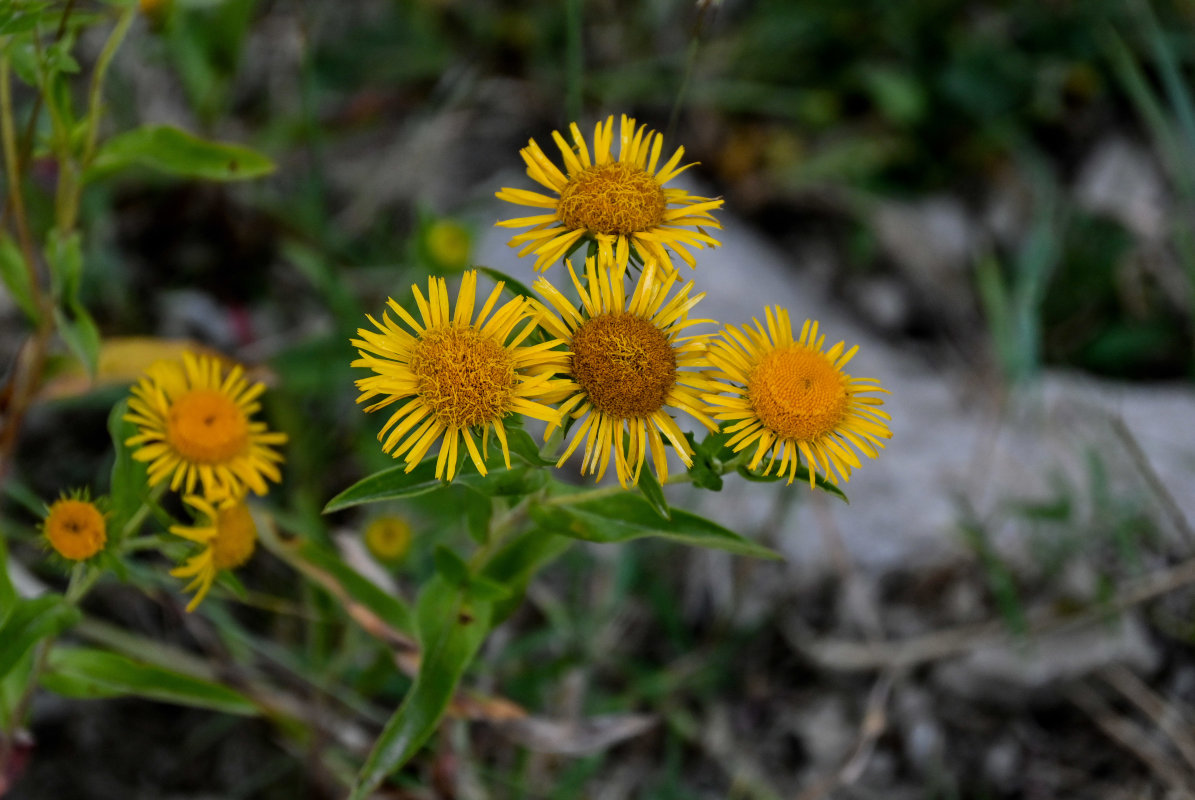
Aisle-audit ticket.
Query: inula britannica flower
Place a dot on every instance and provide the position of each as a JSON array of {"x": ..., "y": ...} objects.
[
  {"x": 620, "y": 202},
  {"x": 627, "y": 366},
  {"x": 229, "y": 537},
  {"x": 75, "y": 527},
  {"x": 195, "y": 426},
  {"x": 455, "y": 375},
  {"x": 788, "y": 396}
]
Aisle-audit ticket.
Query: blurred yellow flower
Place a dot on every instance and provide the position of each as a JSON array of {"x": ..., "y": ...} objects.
[
  {"x": 620, "y": 202},
  {"x": 448, "y": 245},
  {"x": 195, "y": 426},
  {"x": 229, "y": 537},
  {"x": 457, "y": 376},
  {"x": 388, "y": 538},
  {"x": 626, "y": 366},
  {"x": 75, "y": 527},
  {"x": 790, "y": 396}
]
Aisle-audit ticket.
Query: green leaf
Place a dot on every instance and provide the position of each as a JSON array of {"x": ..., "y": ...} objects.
[
  {"x": 16, "y": 278},
  {"x": 452, "y": 626},
  {"x": 87, "y": 673},
  {"x": 128, "y": 484},
  {"x": 504, "y": 482},
  {"x": 653, "y": 493},
  {"x": 512, "y": 285},
  {"x": 81, "y": 336},
  {"x": 706, "y": 469},
  {"x": 64, "y": 254},
  {"x": 523, "y": 445},
  {"x": 176, "y": 152},
  {"x": 389, "y": 484},
  {"x": 450, "y": 566},
  {"x": 8, "y": 593},
  {"x": 624, "y": 517},
  {"x": 802, "y": 476},
  {"x": 30, "y": 622},
  {"x": 390, "y": 608}
]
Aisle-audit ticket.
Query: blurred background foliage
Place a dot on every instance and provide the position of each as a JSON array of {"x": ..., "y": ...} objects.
[{"x": 1041, "y": 154}]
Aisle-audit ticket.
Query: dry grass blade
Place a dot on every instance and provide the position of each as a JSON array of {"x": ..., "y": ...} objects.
[{"x": 875, "y": 722}]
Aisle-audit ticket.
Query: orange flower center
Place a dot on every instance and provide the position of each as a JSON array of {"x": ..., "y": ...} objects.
[
  {"x": 465, "y": 378},
  {"x": 206, "y": 426},
  {"x": 798, "y": 393},
  {"x": 613, "y": 198},
  {"x": 236, "y": 537},
  {"x": 75, "y": 529},
  {"x": 624, "y": 363}
]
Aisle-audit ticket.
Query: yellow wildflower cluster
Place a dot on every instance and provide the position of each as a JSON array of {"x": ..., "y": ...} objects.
[
  {"x": 623, "y": 361},
  {"x": 196, "y": 432}
]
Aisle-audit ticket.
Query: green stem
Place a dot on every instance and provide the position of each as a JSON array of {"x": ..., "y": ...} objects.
[{"x": 95, "y": 94}]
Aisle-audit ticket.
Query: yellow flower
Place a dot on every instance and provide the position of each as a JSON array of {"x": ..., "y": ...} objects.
[
  {"x": 618, "y": 202},
  {"x": 229, "y": 537},
  {"x": 457, "y": 376},
  {"x": 627, "y": 365},
  {"x": 388, "y": 538},
  {"x": 195, "y": 426},
  {"x": 75, "y": 527},
  {"x": 790, "y": 396},
  {"x": 448, "y": 245}
]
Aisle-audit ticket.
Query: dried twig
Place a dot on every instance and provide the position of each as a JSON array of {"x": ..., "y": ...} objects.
[
  {"x": 1170, "y": 716},
  {"x": 1133, "y": 738},
  {"x": 873, "y": 725}
]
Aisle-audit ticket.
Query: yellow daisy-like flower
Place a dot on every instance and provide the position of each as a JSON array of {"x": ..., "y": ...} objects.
[
  {"x": 75, "y": 527},
  {"x": 229, "y": 537},
  {"x": 388, "y": 538},
  {"x": 620, "y": 202},
  {"x": 195, "y": 426},
  {"x": 458, "y": 375},
  {"x": 790, "y": 396},
  {"x": 627, "y": 365}
]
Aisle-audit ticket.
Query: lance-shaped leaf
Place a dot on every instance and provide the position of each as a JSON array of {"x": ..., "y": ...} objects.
[
  {"x": 452, "y": 625},
  {"x": 176, "y": 152},
  {"x": 86, "y": 673},
  {"x": 624, "y": 517}
]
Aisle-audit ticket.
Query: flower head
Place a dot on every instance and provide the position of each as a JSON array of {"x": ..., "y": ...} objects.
[
  {"x": 457, "y": 376},
  {"x": 388, "y": 538},
  {"x": 195, "y": 425},
  {"x": 618, "y": 202},
  {"x": 627, "y": 366},
  {"x": 75, "y": 527},
  {"x": 789, "y": 396},
  {"x": 229, "y": 537}
]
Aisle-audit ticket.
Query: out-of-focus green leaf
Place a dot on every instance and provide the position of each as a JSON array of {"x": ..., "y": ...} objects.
[
  {"x": 389, "y": 484},
  {"x": 450, "y": 566},
  {"x": 87, "y": 673},
  {"x": 127, "y": 484},
  {"x": 81, "y": 336},
  {"x": 388, "y": 607},
  {"x": 30, "y": 622},
  {"x": 624, "y": 517},
  {"x": 452, "y": 626},
  {"x": 64, "y": 254},
  {"x": 8, "y": 593},
  {"x": 16, "y": 278},
  {"x": 176, "y": 152}
]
